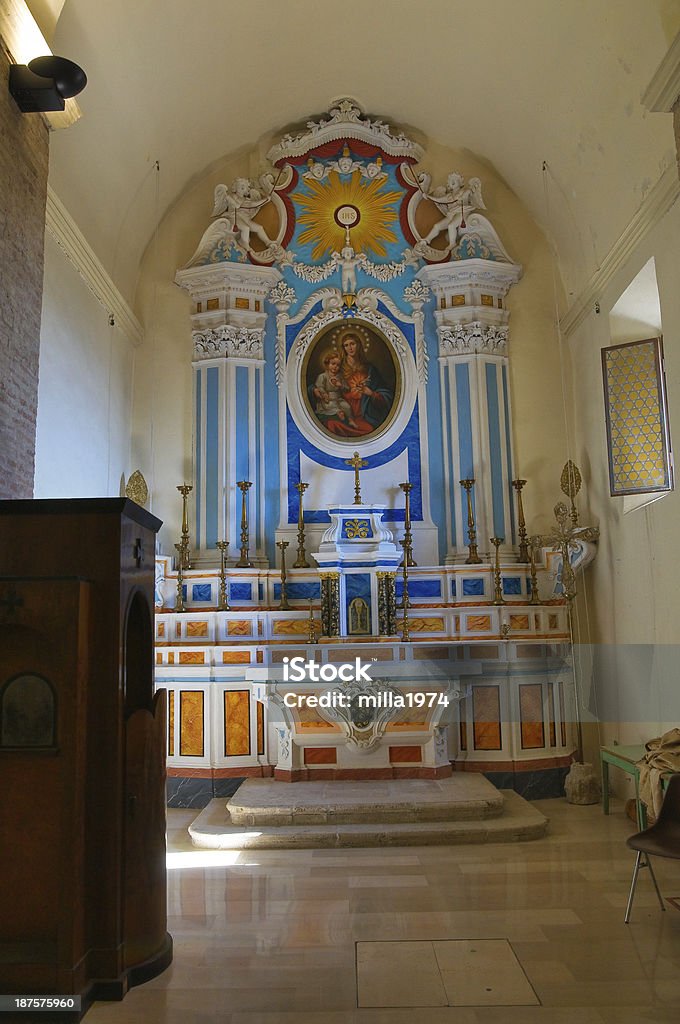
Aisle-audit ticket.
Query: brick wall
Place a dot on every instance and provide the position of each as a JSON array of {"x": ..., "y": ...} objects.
[{"x": 24, "y": 154}]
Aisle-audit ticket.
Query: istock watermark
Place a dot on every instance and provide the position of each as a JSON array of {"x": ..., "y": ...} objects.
[{"x": 297, "y": 670}]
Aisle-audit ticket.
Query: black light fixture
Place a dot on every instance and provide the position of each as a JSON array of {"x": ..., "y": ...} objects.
[{"x": 45, "y": 83}]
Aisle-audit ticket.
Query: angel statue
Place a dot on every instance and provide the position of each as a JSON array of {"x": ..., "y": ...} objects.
[
  {"x": 455, "y": 201},
  {"x": 235, "y": 208}
]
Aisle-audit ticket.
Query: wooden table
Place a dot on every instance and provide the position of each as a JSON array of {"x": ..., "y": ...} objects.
[{"x": 624, "y": 758}]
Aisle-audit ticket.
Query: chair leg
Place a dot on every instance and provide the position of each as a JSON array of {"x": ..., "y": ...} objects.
[
  {"x": 639, "y": 863},
  {"x": 651, "y": 871},
  {"x": 632, "y": 887}
]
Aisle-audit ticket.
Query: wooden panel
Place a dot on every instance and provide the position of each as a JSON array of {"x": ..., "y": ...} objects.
[
  {"x": 291, "y": 627},
  {"x": 486, "y": 709},
  {"x": 191, "y": 657},
  {"x": 478, "y": 623},
  {"x": 563, "y": 726},
  {"x": 551, "y": 715},
  {"x": 519, "y": 622},
  {"x": 239, "y": 627},
  {"x": 431, "y": 625},
  {"x": 197, "y": 629},
  {"x": 236, "y": 723},
  {"x": 320, "y": 755},
  {"x": 531, "y": 716},
  {"x": 191, "y": 721},
  {"x": 236, "y": 657},
  {"x": 260, "y": 727},
  {"x": 463, "y": 735},
  {"x": 171, "y": 723},
  {"x": 406, "y": 755}
]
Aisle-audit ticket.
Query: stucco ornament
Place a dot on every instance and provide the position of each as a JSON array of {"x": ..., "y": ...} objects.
[
  {"x": 363, "y": 720},
  {"x": 457, "y": 202},
  {"x": 235, "y": 208}
]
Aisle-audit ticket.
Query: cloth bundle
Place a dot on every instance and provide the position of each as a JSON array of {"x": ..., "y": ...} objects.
[{"x": 663, "y": 755}]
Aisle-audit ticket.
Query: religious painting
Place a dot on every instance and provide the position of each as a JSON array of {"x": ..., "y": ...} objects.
[
  {"x": 637, "y": 418},
  {"x": 27, "y": 713},
  {"x": 351, "y": 381}
]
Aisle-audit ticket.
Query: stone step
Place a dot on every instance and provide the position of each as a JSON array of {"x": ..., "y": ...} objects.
[
  {"x": 214, "y": 830},
  {"x": 463, "y": 797}
]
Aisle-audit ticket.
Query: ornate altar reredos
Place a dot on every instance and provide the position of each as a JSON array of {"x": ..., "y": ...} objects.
[{"x": 344, "y": 302}]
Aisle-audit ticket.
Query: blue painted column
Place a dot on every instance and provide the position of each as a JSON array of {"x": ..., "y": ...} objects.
[
  {"x": 472, "y": 328},
  {"x": 228, "y": 325}
]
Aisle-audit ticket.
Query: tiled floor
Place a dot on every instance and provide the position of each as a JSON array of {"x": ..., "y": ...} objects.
[{"x": 270, "y": 936}]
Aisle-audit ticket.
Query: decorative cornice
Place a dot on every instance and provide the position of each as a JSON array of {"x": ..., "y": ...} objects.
[
  {"x": 655, "y": 205},
  {"x": 663, "y": 91},
  {"x": 78, "y": 251},
  {"x": 463, "y": 339},
  {"x": 228, "y": 341},
  {"x": 345, "y": 121}
]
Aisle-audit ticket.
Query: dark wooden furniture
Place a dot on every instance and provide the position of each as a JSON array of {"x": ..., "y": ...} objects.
[{"x": 82, "y": 751}]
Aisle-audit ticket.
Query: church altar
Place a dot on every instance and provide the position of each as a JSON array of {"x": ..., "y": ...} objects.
[{"x": 350, "y": 335}]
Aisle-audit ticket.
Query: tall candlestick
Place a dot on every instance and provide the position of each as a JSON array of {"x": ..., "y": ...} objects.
[
  {"x": 405, "y": 602},
  {"x": 244, "y": 562},
  {"x": 185, "y": 490},
  {"x": 521, "y": 524},
  {"x": 224, "y": 594},
  {"x": 301, "y": 560},
  {"x": 498, "y": 584},
  {"x": 179, "y": 599},
  {"x": 407, "y": 488},
  {"x": 534, "y": 580},
  {"x": 283, "y": 602},
  {"x": 473, "y": 557},
  {"x": 357, "y": 463}
]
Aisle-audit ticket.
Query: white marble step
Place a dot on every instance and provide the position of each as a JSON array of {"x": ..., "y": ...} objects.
[
  {"x": 214, "y": 830},
  {"x": 464, "y": 796}
]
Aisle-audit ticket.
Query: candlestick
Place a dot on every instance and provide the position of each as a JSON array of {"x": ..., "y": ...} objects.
[
  {"x": 534, "y": 580},
  {"x": 473, "y": 557},
  {"x": 301, "y": 560},
  {"x": 185, "y": 490},
  {"x": 407, "y": 488},
  {"x": 244, "y": 562},
  {"x": 522, "y": 526},
  {"x": 405, "y": 602},
  {"x": 179, "y": 599},
  {"x": 224, "y": 595},
  {"x": 357, "y": 463},
  {"x": 283, "y": 602},
  {"x": 498, "y": 585}
]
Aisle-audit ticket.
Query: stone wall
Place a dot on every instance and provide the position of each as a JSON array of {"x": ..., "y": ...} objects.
[{"x": 24, "y": 156}]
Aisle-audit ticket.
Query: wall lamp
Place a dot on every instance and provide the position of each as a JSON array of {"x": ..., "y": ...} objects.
[{"x": 45, "y": 83}]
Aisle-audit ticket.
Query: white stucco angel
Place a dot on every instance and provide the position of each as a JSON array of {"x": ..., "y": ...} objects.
[
  {"x": 235, "y": 207},
  {"x": 456, "y": 201}
]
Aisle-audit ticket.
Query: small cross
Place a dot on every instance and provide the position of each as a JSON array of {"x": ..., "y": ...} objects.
[
  {"x": 357, "y": 463},
  {"x": 12, "y": 602},
  {"x": 138, "y": 552}
]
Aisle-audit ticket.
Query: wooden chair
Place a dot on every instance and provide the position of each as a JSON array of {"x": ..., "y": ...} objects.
[{"x": 662, "y": 839}]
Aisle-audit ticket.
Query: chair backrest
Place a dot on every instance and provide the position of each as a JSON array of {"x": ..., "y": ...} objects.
[{"x": 670, "y": 808}]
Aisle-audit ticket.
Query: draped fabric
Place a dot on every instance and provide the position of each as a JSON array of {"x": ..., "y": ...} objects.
[{"x": 662, "y": 755}]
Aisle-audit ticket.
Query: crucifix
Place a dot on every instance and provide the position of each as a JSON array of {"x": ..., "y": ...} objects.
[
  {"x": 357, "y": 463},
  {"x": 564, "y": 538}
]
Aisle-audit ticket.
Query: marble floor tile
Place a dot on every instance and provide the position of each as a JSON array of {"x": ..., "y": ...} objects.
[
  {"x": 482, "y": 973},
  {"x": 398, "y": 974}
]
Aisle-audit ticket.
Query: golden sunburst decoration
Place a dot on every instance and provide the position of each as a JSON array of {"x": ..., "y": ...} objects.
[{"x": 326, "y": 210}]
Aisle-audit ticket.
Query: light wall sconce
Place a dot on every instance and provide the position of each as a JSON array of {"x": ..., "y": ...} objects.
[{"x": 45, "y": 83}]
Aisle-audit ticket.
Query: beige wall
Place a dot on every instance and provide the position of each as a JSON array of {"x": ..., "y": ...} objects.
[
  {"x": 163, "y": 381},
  {"x": 631, "y": 603},
  {"x": 85, "y": 390}
]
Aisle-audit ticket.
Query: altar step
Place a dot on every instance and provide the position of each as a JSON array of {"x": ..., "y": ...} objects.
[{"x": 483, "y": 815}]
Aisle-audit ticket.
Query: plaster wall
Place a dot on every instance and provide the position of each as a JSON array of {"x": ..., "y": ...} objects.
[
  {"x": 627, "y": 614},
  {"x": 84, "y": 391},
  {"x": 162, "y": 409}
]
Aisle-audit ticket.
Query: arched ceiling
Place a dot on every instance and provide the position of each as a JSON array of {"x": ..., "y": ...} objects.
[{"x": 518, "y": 83}]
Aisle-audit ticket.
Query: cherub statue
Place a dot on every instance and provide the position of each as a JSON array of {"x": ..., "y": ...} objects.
[
  {"x": 235, "y": 208},
  {"x": 455, "y": 201}
]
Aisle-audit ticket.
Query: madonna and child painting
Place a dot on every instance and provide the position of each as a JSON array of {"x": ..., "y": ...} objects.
[{"x": 351, "y": 382}]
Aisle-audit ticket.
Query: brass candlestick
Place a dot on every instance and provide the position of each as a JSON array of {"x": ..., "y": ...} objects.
[
  {"x": 311, "y": 636},
  {"x": 521, "y": 523},
  {"x": 407, "y": 488},
  {"x": 405, "y": 602},
  {"x": 534, "y": 579},
  {"x": 473, "y": 557},
  {"x": 179, "y": 599},
  {"x": 301, "y": 560},
  {"x": 224, "y": 595},
  {"x": 185, "y": 490},
  {"x": 357, "y": 463},
  {"x": 244, "y": 562},
  {"x": 283, "y": 602},
  {"x": 498, "y": 585}
]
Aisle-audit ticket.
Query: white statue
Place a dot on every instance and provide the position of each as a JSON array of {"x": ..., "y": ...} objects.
[
  {"x": 235, "y": 208},
  {"x": 455, "y": 201}
]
